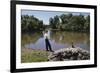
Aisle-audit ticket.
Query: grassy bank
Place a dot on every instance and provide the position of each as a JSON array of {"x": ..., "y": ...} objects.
[
  {"x": 30, "y": 55},
  {"x": 64, "y": 54}
]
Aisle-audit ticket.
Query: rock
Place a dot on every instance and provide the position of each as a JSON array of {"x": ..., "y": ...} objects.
[{"x": 66, "y": 54}]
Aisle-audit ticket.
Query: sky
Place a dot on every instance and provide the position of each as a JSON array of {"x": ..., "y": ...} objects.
[{"x": 46, "y": 15}]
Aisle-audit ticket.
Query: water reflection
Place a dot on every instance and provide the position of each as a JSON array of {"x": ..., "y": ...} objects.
[{"x": 58, "y": 40}]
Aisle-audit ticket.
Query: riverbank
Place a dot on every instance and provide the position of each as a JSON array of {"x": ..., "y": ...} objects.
[
  {"x": 30, "y": 55},
  {"x": 65, "y": 54}
]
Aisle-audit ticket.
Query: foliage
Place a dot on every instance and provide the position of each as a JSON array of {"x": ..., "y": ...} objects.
[
  {"x": 30, "y": 23},
  {"x": 63, "y": 22},
  {"x": 70, "y": 22}
]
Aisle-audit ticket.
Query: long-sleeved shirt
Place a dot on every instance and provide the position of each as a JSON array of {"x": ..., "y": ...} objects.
[{"x": 46, "y": 36}]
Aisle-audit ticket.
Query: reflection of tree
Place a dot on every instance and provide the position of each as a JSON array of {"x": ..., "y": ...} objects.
[
  {"x": 69, "y": 37},
  {"x": 62, "y": 37},
  {"x": 30, "y": 37}
]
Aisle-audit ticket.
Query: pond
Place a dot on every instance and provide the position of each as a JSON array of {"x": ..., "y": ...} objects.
[{"x": 58, "y": 40}]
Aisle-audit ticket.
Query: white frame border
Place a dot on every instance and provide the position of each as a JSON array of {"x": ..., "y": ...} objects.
[{"x": 51, "y": 64}]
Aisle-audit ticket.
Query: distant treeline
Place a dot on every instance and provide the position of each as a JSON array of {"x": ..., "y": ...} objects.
[
  {"x": 70, "y": 22},
  {"x": 63, "y": 22},
  {"x": 30, "y": 23}
]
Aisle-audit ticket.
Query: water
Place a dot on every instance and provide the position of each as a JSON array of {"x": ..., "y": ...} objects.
[{"x": 58, "y": 40}]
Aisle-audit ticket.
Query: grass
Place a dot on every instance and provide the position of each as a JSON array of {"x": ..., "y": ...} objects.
[{"x": 30, "y": 55}]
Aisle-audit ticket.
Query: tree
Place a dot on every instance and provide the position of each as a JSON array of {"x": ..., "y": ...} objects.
[
  {"x": 70, "y": 22},
  {"x": 51, "y": 22},
  {"x": 56, "y": 21},
  {"x": 41, "y": 24},
  {"x": 76, "y": 23},
  {"x": 64, "y": 18},
  {"x": 30, "y": 23},
  {"x": 87, "y": 23}
]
